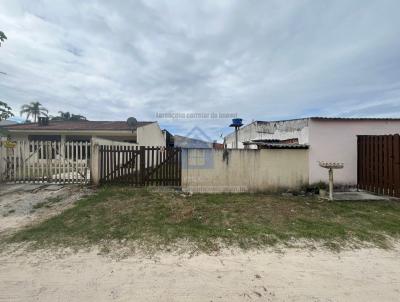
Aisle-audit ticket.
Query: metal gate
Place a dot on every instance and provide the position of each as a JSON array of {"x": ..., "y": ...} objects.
[
  {"x": 379, "y": 164},
  {"x": 140, "y": 166},
  {"x": 45, "y": 162}
]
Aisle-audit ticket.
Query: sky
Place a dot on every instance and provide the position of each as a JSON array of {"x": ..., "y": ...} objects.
[{"x": 202, "y": 62}]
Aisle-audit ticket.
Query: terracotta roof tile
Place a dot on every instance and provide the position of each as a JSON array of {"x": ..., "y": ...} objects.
[{"x": 79, "y": 125}]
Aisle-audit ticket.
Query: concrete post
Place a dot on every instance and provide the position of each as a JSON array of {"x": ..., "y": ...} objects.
[
  {"x": 95, "y": 162},
  {"x": 330, "y": 184}
]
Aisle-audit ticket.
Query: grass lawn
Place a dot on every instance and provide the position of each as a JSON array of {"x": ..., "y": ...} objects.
[{"x": 211, "y": 220}]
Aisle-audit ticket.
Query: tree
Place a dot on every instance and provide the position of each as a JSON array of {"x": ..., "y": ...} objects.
[
  {"x": 66, "y": 116},
  {"x": 3, "y": 37},
  {"x": 77, "y": 117},
  {"x": 5, "y": 111},
  {"x": 34, "y": 109}
]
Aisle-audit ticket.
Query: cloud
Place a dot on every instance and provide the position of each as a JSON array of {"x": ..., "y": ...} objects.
[{"x": 260, "y": 59}]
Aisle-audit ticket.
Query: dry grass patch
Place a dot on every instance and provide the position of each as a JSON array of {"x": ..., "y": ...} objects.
[{"x": 208, "y": 221}]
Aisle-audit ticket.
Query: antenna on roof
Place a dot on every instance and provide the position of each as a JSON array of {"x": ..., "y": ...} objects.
[{"x": 131, "y": 121}]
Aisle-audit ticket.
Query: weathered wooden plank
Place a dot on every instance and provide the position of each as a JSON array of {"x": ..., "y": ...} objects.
[{"x": 396, "y": 164}]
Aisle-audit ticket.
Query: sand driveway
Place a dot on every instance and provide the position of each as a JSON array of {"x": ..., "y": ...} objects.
[{"x": 295, "y": 275}]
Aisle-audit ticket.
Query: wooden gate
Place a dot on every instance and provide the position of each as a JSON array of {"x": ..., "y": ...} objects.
[
  {"x": 140, "y": 166},
  {"x": 379, "y": 164},
  {"x": 45, "y": 162}
]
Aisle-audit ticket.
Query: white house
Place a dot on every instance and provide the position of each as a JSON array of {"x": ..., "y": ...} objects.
[
  {"x": 328, "y": 139},
  {"x": 140, "y": 133}
]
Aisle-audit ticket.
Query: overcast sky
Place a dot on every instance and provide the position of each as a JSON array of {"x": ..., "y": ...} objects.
[{"x": 261, "y": 60}]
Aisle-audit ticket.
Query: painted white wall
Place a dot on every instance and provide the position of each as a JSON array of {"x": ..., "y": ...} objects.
[
  {"x": 150, "y": 135},
  {"x": 336, "y": 140}
]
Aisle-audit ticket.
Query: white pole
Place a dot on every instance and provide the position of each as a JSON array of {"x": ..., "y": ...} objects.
[{"x": 330, "y": 184}]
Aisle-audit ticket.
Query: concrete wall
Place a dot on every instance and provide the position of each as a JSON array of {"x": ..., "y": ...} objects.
[
  {"x": 208, "y": 170},
  {"x": 150, "y": 135},
  {"x": 271, "y": 130},
  {"x": 336, "y": 140}
]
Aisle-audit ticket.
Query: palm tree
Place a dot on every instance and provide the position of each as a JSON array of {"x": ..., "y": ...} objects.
[
  {"x": 2, "y": 37},
  {"x": 34, "y": 109},
  {"x": 66, "y": 116},
  {"x": 5, "y": 111}
]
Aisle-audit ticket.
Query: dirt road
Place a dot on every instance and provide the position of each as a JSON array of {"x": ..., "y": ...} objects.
[{"x": 295, "y": 275}]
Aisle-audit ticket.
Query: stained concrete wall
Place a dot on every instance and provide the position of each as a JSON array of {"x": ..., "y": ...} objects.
[{"x": 243, "y": 170}]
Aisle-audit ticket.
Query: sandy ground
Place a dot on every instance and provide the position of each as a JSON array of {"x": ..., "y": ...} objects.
[
  {"x": 19, "y": 203},
  {"x": 269, "y": 275},
  {"x": 294, "y": 275}
]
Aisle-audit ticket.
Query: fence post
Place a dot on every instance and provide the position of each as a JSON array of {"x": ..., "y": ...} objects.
[
  {"x": 2, "y": 161},
  {"x": 95, "y": 162}
]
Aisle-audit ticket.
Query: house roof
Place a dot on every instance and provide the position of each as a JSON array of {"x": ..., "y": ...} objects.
[
  {"x": 7, "y": 123},
  {"x": 266, "y": 145},
  {"x": 188, "y": 142},
  {"x": 78, "y": 126},
  {"x": 336, "y": 119}
]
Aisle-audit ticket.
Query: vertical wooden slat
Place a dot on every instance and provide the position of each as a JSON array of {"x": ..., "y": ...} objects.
[
  {"x": 396, "y": 164},
  {"x": 14, "y": 151},
  {"x": 137, "y": 168},
  {"x": 81, "y": 165},
  {"x": 28, "y": 160},
  {"x": 68, "y": 161},
  {"x": 111, "y": 163},
  {"x": 142, "y": 164},
  {"x": 157, "y": 166},
  {"x": 22, "y": 162},
  {"x": 371, "y": 163},
  {"x": 107, "y": 159},
  {"x": 88, "y": 172},
  {"x": 360, "y": 159},
  {"x": 76, "y": 162},
  {"x": 131, "y": 166},
  {"x": 380, "y": 160},
  {"x": 385, "y": 165},
  {"x": 180, "y": 166},
  {"x": 60, "y": 162},
  {"x": 367, "y": 172}
]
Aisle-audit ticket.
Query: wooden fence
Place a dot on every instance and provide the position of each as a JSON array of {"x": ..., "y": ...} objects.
[
  {"x": 45, "y": 162},
  {"x": 140, "y": 166},
  {"x": 379, "y": 164}
]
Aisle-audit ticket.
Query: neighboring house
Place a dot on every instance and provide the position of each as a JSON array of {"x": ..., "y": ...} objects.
[
  {"x": 169, "y": 138},
  {"x": 141, "y": 133},
  {"x": 191, "y": 143},
  {"x": 8, "y": 123},
  {"x": 194, "y": 143},
  {"x": 328, "y": 139}
]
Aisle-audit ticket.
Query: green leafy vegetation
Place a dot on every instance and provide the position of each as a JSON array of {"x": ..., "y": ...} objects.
[
  {"x": 5, "y": 111},
  {"x": 209, "y": 221},
  {"x": 33, "y": 109}
]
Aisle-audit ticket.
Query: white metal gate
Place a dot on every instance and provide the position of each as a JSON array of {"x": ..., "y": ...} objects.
[{"x": 45, "y": 162}]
